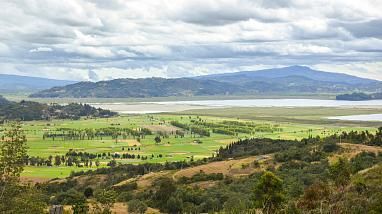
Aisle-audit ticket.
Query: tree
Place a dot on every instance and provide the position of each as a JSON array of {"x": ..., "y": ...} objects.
[
  {"x": 57, "y": 160},
  {"x": 106, "y": 198},
  {"x": 136, "y": 206},
  {"x": 174, "y": 205},
  {"x": 340, "y": 172},
  {"x": 80, "y": 208},
  {"x": 269, "y": 193},
  {"x": 236, "y": 204},
  {"x": 16, "y": 198},
  {"x": 88, "y": 192},
  {"x": 13, "y": 152},
  {"x": 157, "y": 139},
  {"x": 314, "y": 196},
  {"x": 112, "y": 163}
]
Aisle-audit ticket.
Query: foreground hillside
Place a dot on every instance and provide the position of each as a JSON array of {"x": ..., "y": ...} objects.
[
  {"x": 295, "y": 80},
  {"x": 272, "y": 176}
]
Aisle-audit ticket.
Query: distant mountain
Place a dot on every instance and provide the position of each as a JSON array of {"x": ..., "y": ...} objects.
[
  {"x": 293, "y": 71},
  {"x": 15, "y": 83},
  {"x": 288, "y": 80},
  {"x": 148, "y": 87}
]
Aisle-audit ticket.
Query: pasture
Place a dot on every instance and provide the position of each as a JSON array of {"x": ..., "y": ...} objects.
[{"x": 176, "y": 144}]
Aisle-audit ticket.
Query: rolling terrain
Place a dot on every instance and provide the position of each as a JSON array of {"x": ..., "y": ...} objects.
[{"x": 280, "y": 81}]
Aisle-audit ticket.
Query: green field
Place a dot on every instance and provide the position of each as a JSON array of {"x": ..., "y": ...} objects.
[{"x": 287, "y": 123}]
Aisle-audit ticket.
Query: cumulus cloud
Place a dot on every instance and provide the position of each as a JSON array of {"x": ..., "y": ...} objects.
[{"x": 165, "y": 38}]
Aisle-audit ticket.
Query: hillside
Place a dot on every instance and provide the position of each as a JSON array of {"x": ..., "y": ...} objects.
[
  {"x": 149, "y": 87},
  {"x": 15, "y": 83},
  {"x": 27, "y": 111},
  {"x": 314, "y": 175},
  {"x": 294, "y": 79}
]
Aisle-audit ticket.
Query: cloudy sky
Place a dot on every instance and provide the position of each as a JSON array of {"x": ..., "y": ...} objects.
[{"x": 105, "y": 39}]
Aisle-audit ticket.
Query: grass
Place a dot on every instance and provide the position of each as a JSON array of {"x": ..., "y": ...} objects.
[{"x": 296, "y": 123}]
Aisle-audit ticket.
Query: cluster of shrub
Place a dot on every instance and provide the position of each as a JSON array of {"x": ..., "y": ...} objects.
[
  {"x": 201, "y": 176},
  {"x": 193, "y": 129},
  {"x": 99, "y": 133},
  {"x": 85, "y": 159},
  {"x": 361, "y": 137},
  {"x": 225, "y": 127}
]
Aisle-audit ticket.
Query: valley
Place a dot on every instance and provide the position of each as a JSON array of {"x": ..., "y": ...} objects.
[{"x": 275, "y": 123}]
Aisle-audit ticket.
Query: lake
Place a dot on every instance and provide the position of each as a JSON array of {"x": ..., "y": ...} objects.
[
  {"x": 275, "y": 103},
  {"x": 175, "y": 106},
  {"x": 363, "y": 117}
]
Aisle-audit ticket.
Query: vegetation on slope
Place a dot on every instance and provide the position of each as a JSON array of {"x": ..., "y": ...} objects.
[
  {"x": 28, "y": 110},
  {"x": 300, "y": 179},
  {"x": 295, "y": 79}
]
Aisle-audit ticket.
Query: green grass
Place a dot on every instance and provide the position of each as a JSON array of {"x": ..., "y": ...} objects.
[{"x": 296, "y": 123}]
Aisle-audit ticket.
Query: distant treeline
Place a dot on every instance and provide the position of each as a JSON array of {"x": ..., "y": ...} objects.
[
  {"x": 28, "y": 110},
  {"x": 225, "y": 127},
  {"x": 359, "y": 96},
  {"x": 91, "y": 134}
]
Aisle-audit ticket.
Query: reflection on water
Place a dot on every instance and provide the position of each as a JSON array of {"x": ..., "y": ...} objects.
[
  {"x": 364, "y": 117},
  {"x": 175, "y": 106},
  {"x": 275, "y": 103}
]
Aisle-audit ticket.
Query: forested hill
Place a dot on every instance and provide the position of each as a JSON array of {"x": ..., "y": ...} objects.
[
  {"x": 27, "y": 110},
  {"x": 149, "y": 87},
  {"x": 280, "y": 81}
]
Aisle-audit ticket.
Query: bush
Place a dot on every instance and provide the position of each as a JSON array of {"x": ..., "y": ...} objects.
[{"x": 136, "y": 206}]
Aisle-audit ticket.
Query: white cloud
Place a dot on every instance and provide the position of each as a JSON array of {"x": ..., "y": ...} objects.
[{"x": 143, "y": 38}]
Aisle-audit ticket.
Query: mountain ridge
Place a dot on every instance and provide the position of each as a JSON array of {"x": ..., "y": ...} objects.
[{"x": 293, "y": 79}]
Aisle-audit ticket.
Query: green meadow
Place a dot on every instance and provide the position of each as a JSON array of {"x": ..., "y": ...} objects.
[{"x": 284, "y": 123}]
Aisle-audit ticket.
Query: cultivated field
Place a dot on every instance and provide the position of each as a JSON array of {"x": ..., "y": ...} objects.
[{"x": 177, "y": 143}]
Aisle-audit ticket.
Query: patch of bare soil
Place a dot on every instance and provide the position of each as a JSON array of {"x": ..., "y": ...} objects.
[
  {"x": 33, "y": 180},
  {"x": 162, "y": 128}
]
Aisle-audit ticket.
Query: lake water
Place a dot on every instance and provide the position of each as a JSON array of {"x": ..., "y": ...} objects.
[
  {"x": 176, "y": 106},
  {"x": 364, "y": 117},
  {"x": 276, "y": 103}
]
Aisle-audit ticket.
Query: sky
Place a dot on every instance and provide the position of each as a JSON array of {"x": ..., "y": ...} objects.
[{"x": 106, "y": 39}]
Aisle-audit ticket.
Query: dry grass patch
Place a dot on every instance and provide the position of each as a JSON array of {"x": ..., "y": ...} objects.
[
  {"x": 351, "y": 150},
  {"x": 146, "y": 180},
  {"x": 227, "y": 141},
  {"x": 130, "y": 142},
  {"x": 33, "y": 180},
  {"x": 204, "y": 184},
  {"x": 162, "y": 128},
  {"x": 238, "y": 167}
]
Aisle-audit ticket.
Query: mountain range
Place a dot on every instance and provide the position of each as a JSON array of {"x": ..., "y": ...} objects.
[
  {"x": 14, "y": 83},
  {"x": 277, "y": 81}
]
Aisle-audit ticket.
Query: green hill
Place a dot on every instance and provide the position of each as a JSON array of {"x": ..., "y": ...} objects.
[{"x": 289, "y": 80}]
